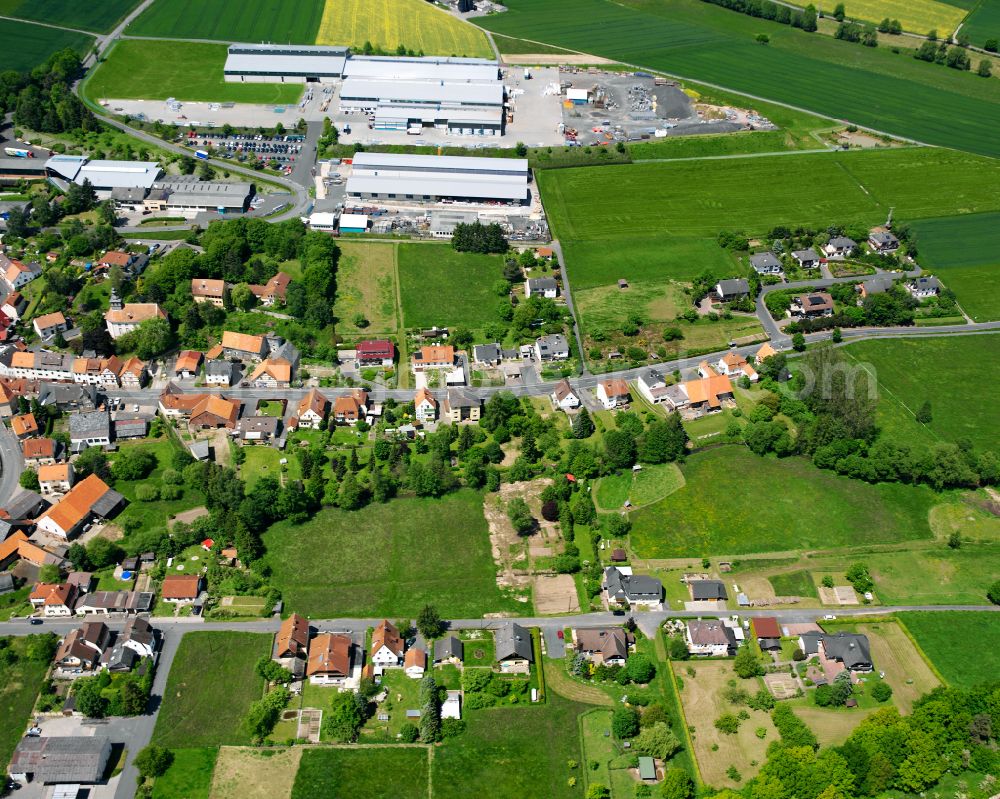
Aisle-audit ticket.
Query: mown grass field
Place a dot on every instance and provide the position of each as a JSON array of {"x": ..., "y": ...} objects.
[
  {"x": 965, "y": 252},
  {"x": 818, "y": 73},
  {"x": 961, "y": 644},
  {"x": 935, "y": 370},
  {"x": 795, "y": 583},
  {"x": 916, "y": 16},
  {"x": 415, "y": 24},
  {"x": 983, "y": 23},
  {"x": 192, "y": 71},
  {"x": 189, "y": 776},
  {"x": 935, "y": 576},
  {"x": 388, "y": 560},
  {"x": 382, "y": 771},
  {"x": 25, "y": 46},
  {"x": 98, "y": 17},
  {"x": 366, "y": 285},
  {"x": 281, "y": 21},
  {"x": 905, "y": 670},
  {"x": 650, "y": 485},
  {"x": 202, "y": 711},
  {"x": 779, "y": 505},
  {"x": 247, "y": 773},
  {"x": 440, "y": 286},
  {"x": 654, "y": 221}
]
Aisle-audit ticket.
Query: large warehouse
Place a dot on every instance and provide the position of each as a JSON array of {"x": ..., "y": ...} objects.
[
  {"x": 275, "y": 63},
  {"x": 196, "y": 196},
  {"x": 430, "y": 178},
  {"x": 103, "y": 175}
]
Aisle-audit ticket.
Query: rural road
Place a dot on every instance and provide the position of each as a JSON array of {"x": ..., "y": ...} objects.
[{"x": 11, "y": 465}]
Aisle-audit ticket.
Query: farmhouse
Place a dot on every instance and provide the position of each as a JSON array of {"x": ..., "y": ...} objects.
[
  {"x": 766, "y": 263},
  {"x": 631, "y": 589},
  {"x": 607, "y": 646},
  {"x": 564, "y": 397},
  {"x": 432, "y": 178},
  {"x": 329, "y": 659},
  {"x": 613, "y": 393},
  {"x": 709, "y": 637},
  {"x": 809, "y": 306},
  {"x": 705, "y": 395},
  {"x": 806, "y": 259},
  {"x": 221, "y": 373},
  {"x": 513, "y": 648},
  {"x": 89, "y": 498},
  {"x": 729, "y": 290},
  {"x": 839, "y": 247}
]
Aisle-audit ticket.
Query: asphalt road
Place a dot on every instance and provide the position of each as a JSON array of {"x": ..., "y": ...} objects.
[{"x": 11, "y": 465}]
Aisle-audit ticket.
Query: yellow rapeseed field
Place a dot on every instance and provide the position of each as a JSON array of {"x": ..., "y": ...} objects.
[
  {"x": 916, "y": 16},
  {"x": 416, "y": 24}
]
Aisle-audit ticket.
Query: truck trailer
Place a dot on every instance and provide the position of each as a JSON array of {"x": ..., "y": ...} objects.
[{"x": 16, "y": 152}]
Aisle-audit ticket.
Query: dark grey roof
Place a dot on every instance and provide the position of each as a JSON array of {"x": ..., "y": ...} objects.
[
  {"x": 632, "y": 587},
  {"x": 733, "y": 286},
  {"x": 268, "y": 425},
  {"x": 842, "y": 242},
  {"x": 121, "y": 657},
  {"x": 6, "y": 582},
  {"x": 462, "y": 399},
  {"x": 279, "y": 348},
  {"x": 89, "y": 424},
  {"x": 556, "y": 342},
  {"x": 224, "y": 368},
  {"x": 851, "y": 649},
  {"x": 883, "y": 238},
  {"x": 108, "y": 504},
  {"x": 68, "y": 395},
  {"x": 764, "y": 260},
  {"x": 450, "y": 647},
  {"x": 542, "y": 283},
  {"x": 26, "y": 505},
  {"x": 128, "y": 193},
  {"x": 708, "y": 589},
  {"x": 806, "y": 255},
  {"x": 61, "y": 759},
  {"x": 512, "y": 642},
  {"x": 810, "y": 642},
  {"x": 878, "y": 284},
  {"x": 926, "y": 283},
  {"x": 486, "y": 353}
]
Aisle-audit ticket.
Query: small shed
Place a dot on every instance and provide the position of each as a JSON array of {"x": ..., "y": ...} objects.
[
  {"x": 647, "y": 769},
  {"x": 618, "y": 556},
  {"x": 353, "y": 223}
]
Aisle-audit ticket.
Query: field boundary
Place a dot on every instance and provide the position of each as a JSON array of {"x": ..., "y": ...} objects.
[{"x": 688, "y": 740}]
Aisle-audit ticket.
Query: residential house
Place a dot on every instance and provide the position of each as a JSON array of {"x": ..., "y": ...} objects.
[
  {"x": 449, "y": 650},
  {"x": 631, "y": 589},
  {"x": 766, "y": 263},
  {"x": 174, "y": 403},
  {"x": 24, "y": 426},
  {"x": 553, "y": 347},
  {"x": 709, "y": 637},
  {"x": 541, "y": 287},
  {"x": 272, "y": 373},
  {"x": 81, "y": 650},
  {"x": 488, "y": 355},
  {"x": 851, "y": 650},
  {"x": 415, "y": 663},
  {"x": 734, "y": 365},
  {"x": 767, "y": 632},
  {"x": 136, "y": 641},
  {"x": 212, "y": 412},
  {"x": 730, "y": 290},
  {"x": 882, "y": 241},
  {"x": 806, "y": 259},
  {"x": 85, "y": 582},
  {"x": 292, "y": 640},
  {"x": 258, "y": 429},
  {"x": 8, "y": 401},
  {"x": 97, "y": 371},
  {"x": 89, "y": 498},
  {"x": 387, "y": 646},
  {"x": 243, "y": 346},
  {"x": 374, "y": 352},
  {"x": 613, "y": 393},
  {"x": 67, "y": 398},
  {"x": 811, "y": 306},
  {"x": 839, "y": 247},
  {"x": 123, "y": 318},
  {"x": 187, "y": 364},
  {"x": 117, "y": 258},
  {"x": 876, "y": 284},
  {"x": 16, "y": 273},
  {"x": 425, "y": 407},
  {"x": 706, "y": 395},
  {"x": 923, "y": 287},
  {"x": 707, "y": 591},
  {"x": 513, "y": 648},
  {"x": 313, "y": 410},
  {"x": 460, "y": 406},
  {"x": 181, "y": 588},
  {"x": 98, "y": 603},
  {"x": 212, "y": 291},
  {"x": 89, "y": 429},
  {"x": 435, "y": 356},
  {"x": 61, "y": 760},
  {"x": 56, "y": 478},
  {"x": 564, "y": 397},
  {"x": 273, "y": 292},
  {"x": 221, "y": 373},
  {"x": 351, "y": 409},
  {"x": 126, "y": 428},
  {"x": 329, "y": 659},
  {"x": 18, "y": 547},
  {"x": 545, "y": 252},
  {"x": 41, "y": 365},
  {"x": 609, "y": 646},
  {"x": 765, "y": 352},
  {"x": 653, "y": 386},
  {"x": 14, "y": 306},
  {"x": 41, "y": 451},
  {"x": 48, "y": 325},
  {"x": 53, "y": 599}
]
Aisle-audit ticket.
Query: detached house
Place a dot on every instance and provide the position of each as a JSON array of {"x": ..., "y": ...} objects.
[
  {"x": 14, "y": 306},
  {"x": 709, "y": 637},
  {"x": 313, "y": 410},
  {"x": 49, "y": 324},
  {"x": 54, "y": 599},
  {"x": 513, "y": 649},
  {"x": 554, "y": 347},
  {"x": 488, "y": 355},
  {"x": 387, "y": 646},
  {"x": 729, "y": 290},
  {"x": 81, "y": 650},
  {"x": 18, "y": 274},
  {"x": 541, "y": 287},
  {"x": 806, "y": 259},
  {"x": 123, "y": 318},
  {"x": 765, "y": 352},
  {"x": 809, "y": 306},
  {"x": 613, "y": 393},
  {"x": 564, "y": 397},
  {"x": 329, "y": 659},
  {"x": 274, "y": 291},
  {"x": 839, "y": 247},
  {"x": 607, "y": 646},
  {"x": 272, "y": 373},
  {"x": 187, "y": 364},
  {"x": 243, "y": 346},
  {"x": 40, "y": 451},
  {"x": 375, "y": 352},
  {"x": 425, "y": 407},
  {"x": 734, "y": 365},
  {"x": 766, "y": 263},
  {"x": 181, "y": 588},
  {"x": 415, "y": 663},
  {"x": 136, "y": 641},
  {"x": 461, "y": 407},
  {"x": 24, "y": 426},
  {"x": 292, "y": 640},
  {"x": 631, "y": 589},
  {"x": 434, "y": 357},
  {"x": 351, "y": 409},
  {"x": 56, "y": 478},
  {"x": 924, "y": 287},
  {"x": 258, "y": 429},
  {"x": 212, "y": 291},
  {"x": 882, "y": 241}
]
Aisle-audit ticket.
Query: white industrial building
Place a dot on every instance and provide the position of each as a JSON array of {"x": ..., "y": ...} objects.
[
  {"x": 195, "y": 196},
  {"x": 430, "y": 178},
  {"x": 275, "y": 63},
  {"x": 104, "y": 176}
]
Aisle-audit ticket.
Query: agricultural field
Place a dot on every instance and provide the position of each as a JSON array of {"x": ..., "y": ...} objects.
[
  {"x": 956, "y": 643},
  {"x": 440, "y": 286},
  {"x": 794, "y": 583},
  {"x": 916, "y": 16},
  {"x": 389, "y": 560},
  {"x": 695, "y": 40},
  {"x": 189, "y": 71},
  {"x": 255, "y": 773},
  {"x": 964, "y": 252},
  {"x": 814, "y": 510},
  {"x": 25, "y": 46},
  {"x": 983, "y": 23},
  {"x": 415, "y": 24},
  {"x": 650, "y": 485},
  {"x": 366, "y": 285},
  {"x": 943, "y": 577},
  {"x": 189, "y": 776},
  {"x": 379, "y": 771},
  {"x": 703, "y": 702},
  {"x": 905, "y": 670},
  {"x": 195, "y": 712},
  {"x": 221, "y": 21},
  {"x": 910, "y": 372},
  {"x": 98, "y": 17}
]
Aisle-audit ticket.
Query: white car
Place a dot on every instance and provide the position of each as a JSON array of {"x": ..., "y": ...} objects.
[{"x": 829, "y": 617}]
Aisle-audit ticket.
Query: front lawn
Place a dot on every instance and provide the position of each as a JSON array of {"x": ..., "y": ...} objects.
[
  {"x": 400, "y": 772},
  {"x": 735, "y": 502},
  {"x": 211, "y": 684},
  {"x": 389, "y": 560}
]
